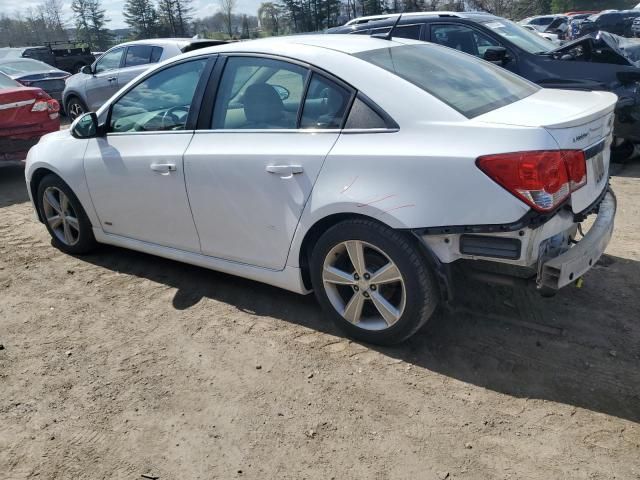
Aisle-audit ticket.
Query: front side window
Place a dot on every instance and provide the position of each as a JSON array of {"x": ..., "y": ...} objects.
[
  {"x": 259, "y": 93},
  {"x": 138, "y": 55},
  {"x": 470, "y": 86},
  {"x": 159, "y": 103},
  {"x": 325, "y": 104},
  {"x": 462, "y": 38},
  {"x": 110, "y": 60}
]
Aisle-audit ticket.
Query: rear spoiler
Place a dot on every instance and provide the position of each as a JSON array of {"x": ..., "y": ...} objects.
[{"x": 202, "y": 44}]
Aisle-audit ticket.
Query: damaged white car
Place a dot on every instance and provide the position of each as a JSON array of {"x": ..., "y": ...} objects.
[{"x": 361, "y": 168}]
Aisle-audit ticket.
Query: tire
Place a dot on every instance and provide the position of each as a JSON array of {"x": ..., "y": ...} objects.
[
  {"x": 408, "y": 287},
  {"x": 75, "y": 107},
  {"x": 75, "y": 236},
  {"x": 622, "y": 151}
]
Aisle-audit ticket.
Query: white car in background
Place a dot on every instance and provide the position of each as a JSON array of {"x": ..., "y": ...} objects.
[{"x": 362, "y": 168}]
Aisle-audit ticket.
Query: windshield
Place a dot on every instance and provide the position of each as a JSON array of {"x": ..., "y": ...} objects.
[
  {"x": 465, "y": 83},
  {"x": 24, "y": 66},
  {"x": 6, "y": 82},
  {"x": 523, "y": 38}
]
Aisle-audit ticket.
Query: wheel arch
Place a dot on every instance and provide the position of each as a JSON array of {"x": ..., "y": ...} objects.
[
  {"x": 442, "y": 271},
  {"x": 34, "y": 182}
]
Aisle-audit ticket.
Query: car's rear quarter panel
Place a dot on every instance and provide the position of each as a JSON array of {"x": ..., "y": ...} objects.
[{"x": 421, "y": 176}]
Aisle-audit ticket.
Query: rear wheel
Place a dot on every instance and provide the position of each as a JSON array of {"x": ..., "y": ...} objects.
[
  {"x": 64, "y": 217},
  {"x": 372, "y": 281},
  {"x": 75, "y": 108}
]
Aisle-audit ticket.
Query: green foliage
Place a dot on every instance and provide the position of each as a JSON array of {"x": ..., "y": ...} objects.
[
  {"x": 91, "y": 20},
  {"x": 142, "y": 17}
]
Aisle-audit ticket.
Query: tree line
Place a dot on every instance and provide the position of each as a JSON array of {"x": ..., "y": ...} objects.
[{"x": 174, "y": 18}]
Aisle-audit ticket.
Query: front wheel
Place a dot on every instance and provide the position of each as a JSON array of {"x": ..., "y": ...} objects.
[
  {"x": 373, "y": 281},
  {"x": 64, "y": 217}
]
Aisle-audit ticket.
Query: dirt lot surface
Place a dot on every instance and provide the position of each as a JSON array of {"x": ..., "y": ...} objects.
[{"x": 120, "y": 364}]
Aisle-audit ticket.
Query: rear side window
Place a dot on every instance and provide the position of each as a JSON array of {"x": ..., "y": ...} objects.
[
  {"x": 325, "y": 104},
  {"x": 362, "y": 116},
  {"x": 138, "y": 55},
  {"x": 470, "y": 86}
]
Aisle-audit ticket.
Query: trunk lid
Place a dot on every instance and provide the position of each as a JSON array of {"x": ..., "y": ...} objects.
[
  {"x": 15, "y": 109},
  {"x": 576, "y": 121}
]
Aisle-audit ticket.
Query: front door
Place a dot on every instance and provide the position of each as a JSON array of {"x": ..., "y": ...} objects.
[
  {"x": 135, "y": 173},
  {"x": 104, "y": 81},
  {"x": 250, "y": 173}
]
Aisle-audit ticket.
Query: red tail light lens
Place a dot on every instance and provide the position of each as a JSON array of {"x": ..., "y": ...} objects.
[
  {"x": 542, "y": 179},
  {"x": 50, "y": 105},
  {"x": 576, "y": 168}
]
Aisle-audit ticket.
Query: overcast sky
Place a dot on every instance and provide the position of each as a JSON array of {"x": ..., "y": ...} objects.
[{"x": 202, "y": 8}]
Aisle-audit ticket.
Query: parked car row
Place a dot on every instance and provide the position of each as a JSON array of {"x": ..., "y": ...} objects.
[
  {"x": 601, "y": 62},
  {"x": 573, "y": 25},
  {"x": 369, "y": 170}
]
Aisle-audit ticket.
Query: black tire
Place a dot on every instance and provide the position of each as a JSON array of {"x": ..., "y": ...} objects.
[
  {"x": 86, "y": 242},
  {"x": 421, "y": 291},
  {"x": 75, "y": 107}
]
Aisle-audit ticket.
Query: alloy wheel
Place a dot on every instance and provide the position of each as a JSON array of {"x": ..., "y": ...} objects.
[
  {"x": 364, "y": 285},
  {"x": 75, "y": 110},
  {"x": 61, "y": 216}
]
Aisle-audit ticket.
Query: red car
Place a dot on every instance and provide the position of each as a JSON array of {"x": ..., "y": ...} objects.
[{"x": 26, "y": 114}]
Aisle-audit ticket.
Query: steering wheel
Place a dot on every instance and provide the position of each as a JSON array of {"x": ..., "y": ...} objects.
[{"x": 174, "y": 118}]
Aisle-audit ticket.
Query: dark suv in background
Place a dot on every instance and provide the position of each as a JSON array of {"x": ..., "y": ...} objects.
[
  {"x": 589, "y": 63},
  {"x": 618, "y": 23}
]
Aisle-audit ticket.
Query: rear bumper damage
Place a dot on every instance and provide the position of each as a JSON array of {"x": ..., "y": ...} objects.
[
  {"x": 567, "y": 267},
  {"x": 546, "y": 255}
]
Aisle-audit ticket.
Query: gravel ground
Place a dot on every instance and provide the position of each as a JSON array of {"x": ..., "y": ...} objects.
[{"x": 120, "y": 364}]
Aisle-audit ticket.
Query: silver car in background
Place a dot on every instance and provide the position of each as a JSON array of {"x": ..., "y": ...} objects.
[{"x": 95, "y": 84}]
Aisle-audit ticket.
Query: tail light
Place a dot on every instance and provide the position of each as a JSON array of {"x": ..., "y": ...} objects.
[
  {"x": 542, "y": 179},
  {"x": 51, "y": 106}
]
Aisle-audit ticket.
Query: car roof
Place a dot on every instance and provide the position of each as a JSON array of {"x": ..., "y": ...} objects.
[
  {"x": 348, "y": 44},
  {"x": 180, "y": 42},
  {"x": 409, "y": 18}
]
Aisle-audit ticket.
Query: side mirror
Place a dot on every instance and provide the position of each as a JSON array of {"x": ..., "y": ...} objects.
[
  {"x": 87, "y": 70},
  {"x": 85, "y": 126},
  {"x": 496, "y": 55}
]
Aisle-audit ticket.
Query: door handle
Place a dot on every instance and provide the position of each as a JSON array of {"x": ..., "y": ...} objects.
[
  {"x": 285, "y": 170},
  {"x": 163, "y": 167}
]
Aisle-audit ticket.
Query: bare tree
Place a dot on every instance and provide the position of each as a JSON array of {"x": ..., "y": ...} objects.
[{"x": 227, "y": 7}]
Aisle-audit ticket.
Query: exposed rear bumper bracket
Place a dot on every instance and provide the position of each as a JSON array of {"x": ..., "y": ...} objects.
[{"x": 575, "y": 262}]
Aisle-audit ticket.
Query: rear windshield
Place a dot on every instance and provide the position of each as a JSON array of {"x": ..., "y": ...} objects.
[
  {"x": 463, "y": 82},
  {"x": 6, "y": 82},
  {"x": 24, "y": 66}
]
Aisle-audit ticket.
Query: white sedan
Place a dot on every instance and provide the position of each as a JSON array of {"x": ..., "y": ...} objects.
[{"x": 362, "y": 168}]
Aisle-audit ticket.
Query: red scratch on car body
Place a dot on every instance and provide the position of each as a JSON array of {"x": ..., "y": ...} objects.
[
  {"x": 399, "y": 207},
  {"x": 376, "y": 200},
  {"x": 347, "y": 187}
]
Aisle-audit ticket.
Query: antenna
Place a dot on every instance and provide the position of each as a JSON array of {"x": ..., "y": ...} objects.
[{"x": 389, "y": 34}]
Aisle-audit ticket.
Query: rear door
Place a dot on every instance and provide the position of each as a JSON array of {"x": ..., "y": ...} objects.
[
  {"x": 137, "y": 59},
  {"x": 104, "y": 82},
  {"x": 251, "y": 167}
]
